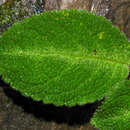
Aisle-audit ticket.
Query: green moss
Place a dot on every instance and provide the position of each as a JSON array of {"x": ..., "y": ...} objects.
[{"x": 11, "y": 13}]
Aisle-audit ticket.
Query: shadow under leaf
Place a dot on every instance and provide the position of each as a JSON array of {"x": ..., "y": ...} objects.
[{"x": 77, "y": 115}]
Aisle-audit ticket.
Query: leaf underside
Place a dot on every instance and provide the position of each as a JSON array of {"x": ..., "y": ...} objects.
[
  {"x": 51, "y": 57},
  {"x": 114, "y": 114}
]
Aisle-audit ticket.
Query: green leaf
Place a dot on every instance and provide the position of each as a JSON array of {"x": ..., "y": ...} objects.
[
  {"x": 114, "y": 114},
  {"x": 52, "y": 58}
]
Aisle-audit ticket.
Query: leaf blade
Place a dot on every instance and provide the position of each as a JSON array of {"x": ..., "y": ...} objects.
[{"x": 34, "y": 61}]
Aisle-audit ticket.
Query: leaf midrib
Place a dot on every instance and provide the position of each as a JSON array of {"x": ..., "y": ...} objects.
[{"x": 61, "y": 55}]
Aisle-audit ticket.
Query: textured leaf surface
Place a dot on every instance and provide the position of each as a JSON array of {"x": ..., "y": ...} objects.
[
  {"x": 65, "y": 57},
  {"x": 114, "y": 114}
]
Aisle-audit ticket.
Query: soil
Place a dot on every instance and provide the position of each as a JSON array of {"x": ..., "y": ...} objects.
[{"x": 22, "y": 113}]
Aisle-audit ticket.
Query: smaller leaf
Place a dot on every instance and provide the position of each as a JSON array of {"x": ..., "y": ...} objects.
[{"x": 114, "y": 114}]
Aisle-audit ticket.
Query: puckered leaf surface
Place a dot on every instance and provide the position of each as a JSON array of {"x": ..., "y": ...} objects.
[
  {"x": 65, "y": 57},
  {"x": 114, "y": 114}
]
